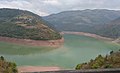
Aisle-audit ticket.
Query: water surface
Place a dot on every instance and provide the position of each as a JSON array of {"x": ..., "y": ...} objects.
[{"x": 76, "y": 49}]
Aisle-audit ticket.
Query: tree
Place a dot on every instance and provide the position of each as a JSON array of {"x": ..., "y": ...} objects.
[
  {"x": 2, "y": 58},
  {"x": 111, "y": 52}
]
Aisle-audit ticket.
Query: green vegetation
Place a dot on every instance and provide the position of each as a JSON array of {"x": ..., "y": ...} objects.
[
  {"x": 110, "y": 61},
  {"x": 98, "y": 21},
  {"x": 111, "y": 29},
  {"x": 25, "y": 25},
  {"x": 7, "y": 67}
]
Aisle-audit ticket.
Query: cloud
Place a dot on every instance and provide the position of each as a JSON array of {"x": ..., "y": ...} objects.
[
  {"x": 42, "y": 13},
  {"x": 51, "y": 2},
  {"x": 14, "y": 4},
  {"x": 24, "y": 5},
  {"x": 46, "y": 7}
]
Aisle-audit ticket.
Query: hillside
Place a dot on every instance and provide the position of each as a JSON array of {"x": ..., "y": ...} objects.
[
  {"x": 90, "y": 21},
  {"x": 23, "y": 24},
  {"x": 7, "y": 67},
  {"x": 100, "y": 62},
  {"x": 111, "y": 29}
]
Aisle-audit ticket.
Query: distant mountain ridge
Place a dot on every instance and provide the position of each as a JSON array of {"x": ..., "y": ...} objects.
[
  {"x": 91, "y": 21},
  {"x": 111, "y": 29},
  {"x": 23, "y": 24}
]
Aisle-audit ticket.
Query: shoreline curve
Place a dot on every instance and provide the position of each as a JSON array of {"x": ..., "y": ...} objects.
[
  {"x": 88, "y": 34},
  {"x": 26, "y": 69},
  {"x": 29, "y": 42}
]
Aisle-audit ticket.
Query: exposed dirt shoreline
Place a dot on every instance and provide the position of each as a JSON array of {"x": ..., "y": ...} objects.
[
  {"x": 48, "y": 43},
  {"x": 51, "y": 43},
  {"x": 88, "y": 34},
  {"x": 25, "y": 69}
]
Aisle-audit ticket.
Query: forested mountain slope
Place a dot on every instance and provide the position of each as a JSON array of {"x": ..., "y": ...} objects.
[
  {"x": 23, "y": 24},
  {"x": 111, "y": 29},
  {"x": 91, "y": 21}
]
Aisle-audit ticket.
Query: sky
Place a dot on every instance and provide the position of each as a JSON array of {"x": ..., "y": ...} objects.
[{"x": 46, "y": 7}]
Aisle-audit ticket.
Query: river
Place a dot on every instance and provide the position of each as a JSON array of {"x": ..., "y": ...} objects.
[{"x": 76, "y": 49}]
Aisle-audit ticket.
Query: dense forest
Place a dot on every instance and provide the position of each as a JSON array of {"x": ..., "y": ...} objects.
[
  {"x": 25, "y": 25},
  {"x": 7, "y": 67},
  {"x": 100, "y": 62}
]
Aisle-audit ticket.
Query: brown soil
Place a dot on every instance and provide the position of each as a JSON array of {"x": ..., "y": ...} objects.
[
  {"x": 88, "y": 34},
  {"x": 25, "y": 69},
  {"x": 50, "y": 43}
]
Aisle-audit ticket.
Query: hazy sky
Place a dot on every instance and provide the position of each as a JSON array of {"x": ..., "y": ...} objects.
[{"x": 46, "y": 7}]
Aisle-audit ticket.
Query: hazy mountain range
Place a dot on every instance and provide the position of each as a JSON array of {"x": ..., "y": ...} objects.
[{"x": 98, "y": 21}]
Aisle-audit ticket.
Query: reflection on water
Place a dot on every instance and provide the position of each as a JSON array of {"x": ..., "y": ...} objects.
[
  {"x": 76, "y": 49},
  {"x": 15, "y": 49}
]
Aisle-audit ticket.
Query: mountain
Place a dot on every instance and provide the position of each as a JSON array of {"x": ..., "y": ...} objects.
[
  {"x": 82, "y": 20},
  {"x": 111, "y": 29},
  {"x": 23, "y": 24}
]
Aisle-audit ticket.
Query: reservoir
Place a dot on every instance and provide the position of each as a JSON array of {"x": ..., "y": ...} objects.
[{"x": 76, "y": 49}]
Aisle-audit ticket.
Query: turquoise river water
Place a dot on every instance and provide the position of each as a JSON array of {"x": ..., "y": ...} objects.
[{"x": 76, "y": 49}]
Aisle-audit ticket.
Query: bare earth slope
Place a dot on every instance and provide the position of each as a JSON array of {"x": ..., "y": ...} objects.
[
  {"x": 47, "y": 43},
  {"x": 87, "y": 34},
  {"x": 37, "y": 69}
]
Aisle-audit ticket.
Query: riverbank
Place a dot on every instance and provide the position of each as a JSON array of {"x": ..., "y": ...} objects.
[
  {"x": 88, "y": 34},
  {"x": 25, "y": 69},
  {"x": 46, "y": 43},
  {"x": 111, "y": 70}
]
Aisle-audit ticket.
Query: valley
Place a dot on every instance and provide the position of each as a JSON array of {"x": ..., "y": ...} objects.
[{"x": 58, "y": 41}]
